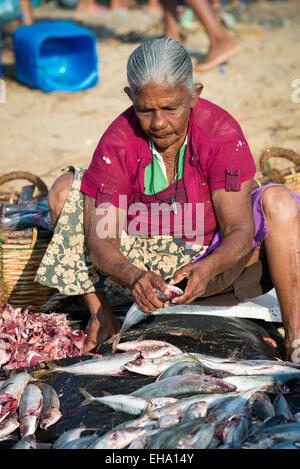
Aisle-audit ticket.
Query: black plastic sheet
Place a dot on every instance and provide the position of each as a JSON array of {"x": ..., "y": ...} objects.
[{"x": 212, "y": 335}]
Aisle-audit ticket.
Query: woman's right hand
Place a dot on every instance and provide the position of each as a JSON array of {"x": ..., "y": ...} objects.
[{"x": 144, "y": 289}]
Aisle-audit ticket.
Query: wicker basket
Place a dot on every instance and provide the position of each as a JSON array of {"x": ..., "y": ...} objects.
[
  {"x": 21, "y": 253},
  {"x": 290, "y": 176}
]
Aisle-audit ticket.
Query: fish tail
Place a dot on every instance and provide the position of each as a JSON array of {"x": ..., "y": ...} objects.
[
  {"x": 87, "y": 395},
  {"x": 115, "y": 342},
  {"x": 37, "y": 374}
]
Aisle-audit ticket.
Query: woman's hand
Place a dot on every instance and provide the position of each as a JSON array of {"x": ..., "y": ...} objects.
[
  {"x": 197, "y": 275},
  {"x": 144, "y": 290}
]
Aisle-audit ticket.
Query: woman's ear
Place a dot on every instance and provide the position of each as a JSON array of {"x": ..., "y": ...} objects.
[
  {"x": 198, "y": 87},
  {"x": 128, "y": 92}
]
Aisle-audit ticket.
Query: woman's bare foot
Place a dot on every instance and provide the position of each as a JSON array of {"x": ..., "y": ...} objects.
[
  {"x": 218, "y": 54},
  {"x": 102, "y": 324}
]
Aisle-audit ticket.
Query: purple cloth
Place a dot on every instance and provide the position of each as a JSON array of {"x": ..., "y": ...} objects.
[{"x": 259, "y": 221}]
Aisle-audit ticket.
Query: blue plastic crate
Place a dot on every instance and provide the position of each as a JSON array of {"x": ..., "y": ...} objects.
[{"x": 56, "y": 56}]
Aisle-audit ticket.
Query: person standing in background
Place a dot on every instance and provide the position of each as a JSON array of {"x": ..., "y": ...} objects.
[
  {"x": 222, "y": 46},
  {"x": 27, "y": 11}
]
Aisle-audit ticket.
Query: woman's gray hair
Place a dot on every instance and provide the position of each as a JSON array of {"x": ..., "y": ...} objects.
[{"x": 160, "y": 61}]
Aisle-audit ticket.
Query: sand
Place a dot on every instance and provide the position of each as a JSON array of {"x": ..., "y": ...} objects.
[{"x": 43, "y": 133}]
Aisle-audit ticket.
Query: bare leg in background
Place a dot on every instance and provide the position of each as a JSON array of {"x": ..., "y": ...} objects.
[
  {"x": 27, "y": 11},
  {"x": 222, "y": 46}
]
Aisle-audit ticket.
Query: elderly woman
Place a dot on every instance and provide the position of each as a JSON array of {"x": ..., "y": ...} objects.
[{"x": 168, "y": 199}]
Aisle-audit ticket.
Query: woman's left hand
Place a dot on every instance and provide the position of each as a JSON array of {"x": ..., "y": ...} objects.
[{"x": 197, "y": 275}]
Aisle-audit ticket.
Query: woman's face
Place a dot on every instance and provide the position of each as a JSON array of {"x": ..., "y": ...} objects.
[{"x": 163, "y": 112}]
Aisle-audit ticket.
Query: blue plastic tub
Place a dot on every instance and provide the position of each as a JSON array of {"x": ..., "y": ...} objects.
[{"x": 56, "y": 56}]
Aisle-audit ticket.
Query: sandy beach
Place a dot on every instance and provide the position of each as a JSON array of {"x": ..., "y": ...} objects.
[{"x": 43, "y": 133}]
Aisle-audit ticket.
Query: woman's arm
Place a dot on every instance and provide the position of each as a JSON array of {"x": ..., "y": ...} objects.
[
  {"x": 103, "y": 228},
  {"x": 235, "y": 219}
]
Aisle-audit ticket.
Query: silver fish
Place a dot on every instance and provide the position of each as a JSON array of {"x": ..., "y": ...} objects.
[
  {"x": 171, "y": 437},
  {"x": 117, "y": 439},
  {"x": 135, "y": 314},
  {"x": 184, "y": 385},
  {"x": 69, "y": 435},
  {"x": 260, "y": 382},
  {"x": 27, "y": 442},
  {"x": 11, "y": 393},
  {"x": 199, "y": 439},
  {"x": 135, "y": 345},
  {"x": 281, "y": 407},
  {"x": 195, "y": 411},
  {"x": 181, "y": 405},
  {"x": 50, "y": 412},
  {"x": 170, "y": 420},
  {"x": 118, "y": 402},
  {"x": 80, "y": 443},
  {"x": 9, "y": 425},
  {"x": 104, "y": 366},
  {"x": 283, "y": 373},
  {"x": 237, "y": 427},
  {"x": 156, "y": 352},
  {"x": 285, "y": 445},
  {"x": 30, "y": 408},
  {"x": 230, "y": 404},
  {"x": 181, "y": 368},
  {"x": 267, "y": 437},
  {"x": 140, "y": 443},
  {"x": 145, "y": 421},
  {"x": 156, "y": 366},
  {"x": 261, "y": 406}
]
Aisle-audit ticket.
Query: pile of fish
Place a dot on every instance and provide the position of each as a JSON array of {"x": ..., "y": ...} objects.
[
  {"x": 26, "y": 404},
  {"x": 27, "y": 338},
  {"x": 196, "y": 401}
]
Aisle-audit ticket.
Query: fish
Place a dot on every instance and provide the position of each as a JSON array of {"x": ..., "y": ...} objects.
[
  {"x": 28, "y": 442},
  {"x": 154, "y": 367},
  {"x": 104, "y": 366},
  {"x": 11, "y": 393},
  {"x": 50, "y": 413},
  {"x": 283, "y": 373},
  {"x": 9, "y": 425},
  {"x": 260, "y": 382},
  {"x": 80, "y": 443},
  {"x": 136, "y": 314},
  {"x": 281, "y": 407},
  {"x": 200, "y": 438},
  {"x": 169, "y": 438},
  {"x": 117, "y": 439},
  {"x": 134, "y": 345},
  {"x": 184, "y": 385},
  {"x": 140, "y": 443},
  {"x": 170, "y": 420},
  {"x": 182, "y": 404},
  {"x": 30, "y": 409},
  {"x": 145, "y": 421},
  {"x": 230, "y": 404},
  {"x": 269, "y": 436},
  {"x": 285, "y": 445},
  {"x": 118, "y": 402},
  {"x": 156, "y": 352},
  {"x": 181, "y": 368},
  {"x": 195, "y": 411},
  {"x": 237, "y": 427},
  {"x": 261, "y": 406},
  {"x": 69, "y": 435}
]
